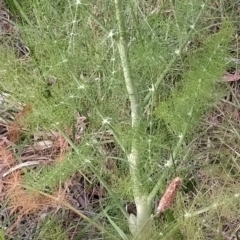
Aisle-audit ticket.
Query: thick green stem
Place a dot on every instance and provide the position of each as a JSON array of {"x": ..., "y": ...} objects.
[
  {"x": 132, "y": 93},
  {"x": 141, "y": 200},
  {"x": 130, "y": 84}
]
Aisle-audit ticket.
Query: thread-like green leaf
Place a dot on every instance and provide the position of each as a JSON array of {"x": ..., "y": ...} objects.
[{"x": 189, "y": 101}]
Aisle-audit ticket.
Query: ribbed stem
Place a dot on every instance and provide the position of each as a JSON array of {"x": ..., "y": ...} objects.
[{"x": 141, "y": 200}]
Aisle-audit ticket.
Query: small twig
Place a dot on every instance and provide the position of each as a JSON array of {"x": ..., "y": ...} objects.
[{"x": 21, "y": 165}]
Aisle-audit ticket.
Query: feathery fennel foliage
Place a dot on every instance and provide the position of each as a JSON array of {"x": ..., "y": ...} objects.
[
  {"x": 198, "y": 89},
  {"x": 46, "y": 179},
  {"x": 70, "y": 45}
]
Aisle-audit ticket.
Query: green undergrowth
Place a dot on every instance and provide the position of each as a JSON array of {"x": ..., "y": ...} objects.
[
  {"x": 49, "y": 228},
  {"x": 178, "y": 52}
]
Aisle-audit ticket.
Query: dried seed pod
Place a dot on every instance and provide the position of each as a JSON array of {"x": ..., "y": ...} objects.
[{"x": 169, "y": 195}]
